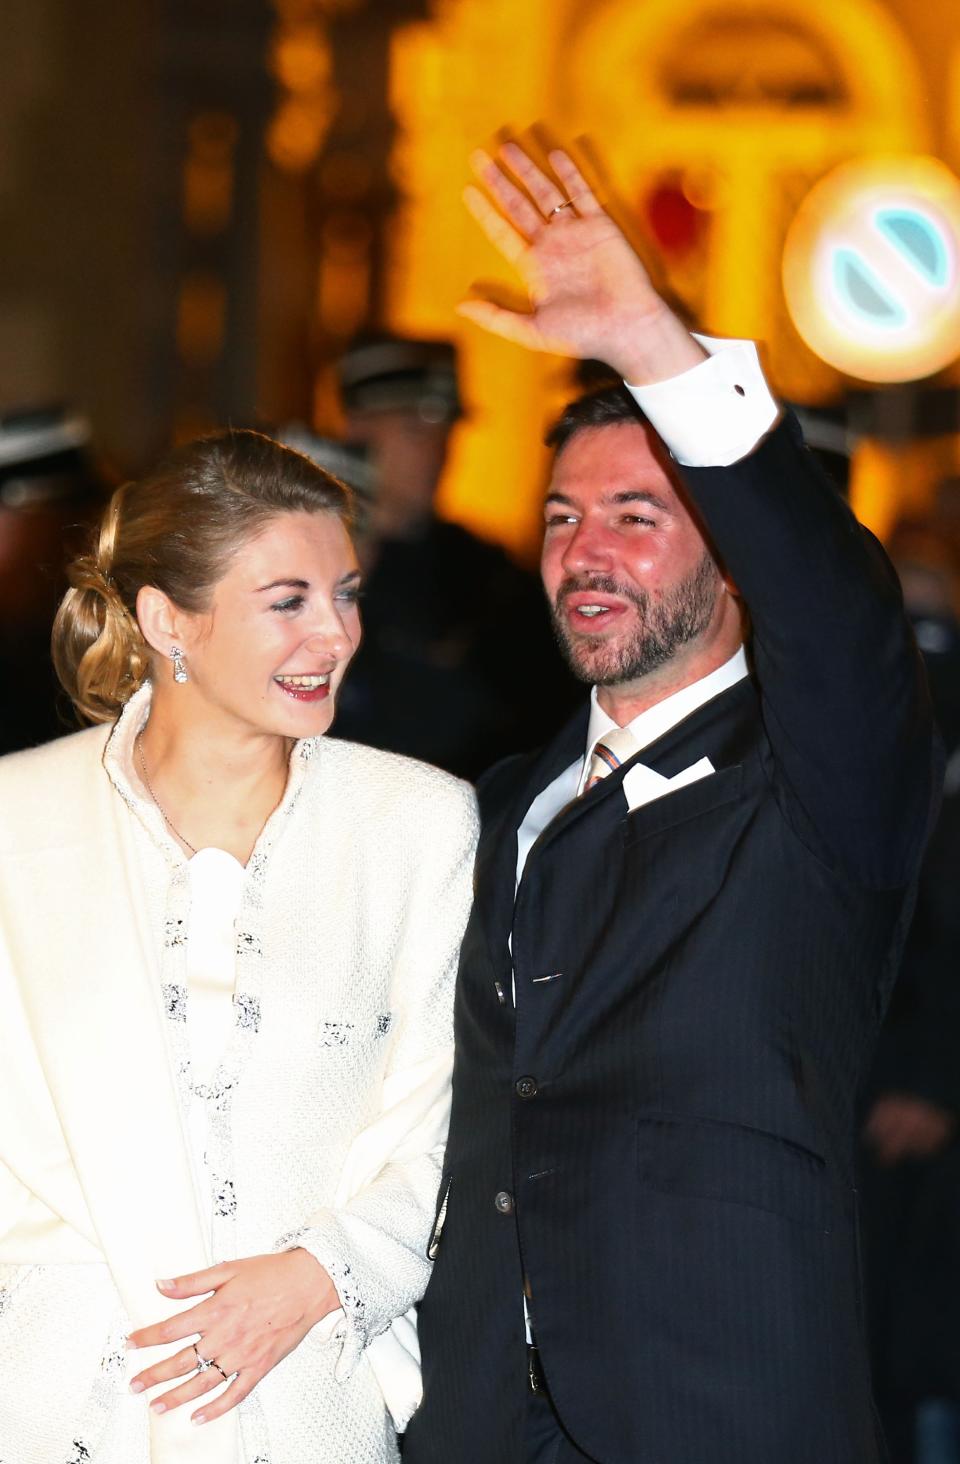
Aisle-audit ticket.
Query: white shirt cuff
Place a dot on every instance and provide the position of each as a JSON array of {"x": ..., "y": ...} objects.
[{"x": 715, "y": 413}]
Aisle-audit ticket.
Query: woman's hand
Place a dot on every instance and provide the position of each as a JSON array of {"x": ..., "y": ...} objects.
[
  {"x": 261, "y": 1309},
  {"x": 590, "y": 295}
]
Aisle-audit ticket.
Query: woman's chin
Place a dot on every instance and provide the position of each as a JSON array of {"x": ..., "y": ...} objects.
[
  {"x": 310, "y": 721},
  {"x": 299, "y": 719}
]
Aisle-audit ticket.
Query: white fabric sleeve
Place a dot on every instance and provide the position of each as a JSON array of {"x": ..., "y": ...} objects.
[
  {"x": 715, "y": 413},
  {"x": 372, "y": 1241}
]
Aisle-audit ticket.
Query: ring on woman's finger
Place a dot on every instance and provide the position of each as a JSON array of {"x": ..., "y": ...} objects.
[
  {"x": 567, "y": 203},
  {"x": 205, "y": 1363}
]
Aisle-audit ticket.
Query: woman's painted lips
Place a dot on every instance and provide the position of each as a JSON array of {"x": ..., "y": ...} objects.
[{"x": 305, "y": 688}]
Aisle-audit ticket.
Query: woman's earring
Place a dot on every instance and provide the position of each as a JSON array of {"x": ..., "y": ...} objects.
[{"x": 179, "y": 665}]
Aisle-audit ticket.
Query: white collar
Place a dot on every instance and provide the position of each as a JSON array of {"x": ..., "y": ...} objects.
[
  {"x": 663, "y": 715},
  {"x": 120, "y": 763}
]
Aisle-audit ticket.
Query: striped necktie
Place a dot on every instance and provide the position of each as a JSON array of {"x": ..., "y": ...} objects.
[{"x": 615, "y": 747}]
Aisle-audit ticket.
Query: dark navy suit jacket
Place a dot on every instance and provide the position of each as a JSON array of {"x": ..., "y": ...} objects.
[{"x": 660, "y": 1138}]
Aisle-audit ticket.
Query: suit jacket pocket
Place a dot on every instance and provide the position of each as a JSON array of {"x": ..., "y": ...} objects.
[
  {"x": 712, "y": 1160},
  {"x": 690, "y": 801}
]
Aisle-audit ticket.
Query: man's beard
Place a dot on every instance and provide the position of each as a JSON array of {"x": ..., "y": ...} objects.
[{"x": 682, "y": 614}]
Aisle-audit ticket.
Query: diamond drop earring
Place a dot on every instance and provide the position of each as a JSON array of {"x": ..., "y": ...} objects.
[{"x": 179, "y": 665}]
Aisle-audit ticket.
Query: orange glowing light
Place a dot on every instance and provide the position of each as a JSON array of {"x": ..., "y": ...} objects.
[
  {"x": 302, "y": 60},
  {"x": 201, "y": 318},
  {"x": 296, "y": 134}
]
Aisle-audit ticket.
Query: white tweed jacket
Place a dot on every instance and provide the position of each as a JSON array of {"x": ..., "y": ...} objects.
[{"x": 326, "y": 1115}]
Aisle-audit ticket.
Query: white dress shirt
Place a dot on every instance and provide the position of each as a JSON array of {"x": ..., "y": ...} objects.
[
  {"x": 645, "y": 729},
  {"x": 216, "y": 888},
  {"x": 715, "y": 413}
]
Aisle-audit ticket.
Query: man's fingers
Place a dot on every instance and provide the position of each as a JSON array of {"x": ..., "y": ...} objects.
[
  {"x": 514, "y": 203},
  {"x": 502, "y": 235},
  {"x": 542, "y": 189},
  {"x": 510, "y": 324},
  {"x": 514, "y": 325},
  {"x": 575, "y": 183}
]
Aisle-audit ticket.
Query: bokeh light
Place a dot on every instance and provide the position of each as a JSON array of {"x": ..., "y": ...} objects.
[{"x": 870, "y": 268}]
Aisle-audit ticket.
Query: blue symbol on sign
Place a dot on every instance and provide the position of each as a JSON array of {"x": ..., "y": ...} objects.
[
  {"x": 916, "y": 240},
  {"x": 919, "y": 244},
  {"x": 863, "y": 292}
]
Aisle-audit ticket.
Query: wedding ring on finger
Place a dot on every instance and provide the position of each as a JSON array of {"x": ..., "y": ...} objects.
[
  {"x": 205, "y": 1363},
  {"x": 567, "y": 203}
]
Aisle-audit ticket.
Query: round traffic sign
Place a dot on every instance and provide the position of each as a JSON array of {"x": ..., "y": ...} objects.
[{"x": 871, "y": 266}]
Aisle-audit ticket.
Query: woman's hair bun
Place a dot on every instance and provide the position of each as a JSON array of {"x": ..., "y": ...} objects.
[{"x": 98, "y": 652}]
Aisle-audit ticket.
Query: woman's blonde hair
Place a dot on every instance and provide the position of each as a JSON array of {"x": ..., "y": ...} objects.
[{"x": 174, "y": 529}]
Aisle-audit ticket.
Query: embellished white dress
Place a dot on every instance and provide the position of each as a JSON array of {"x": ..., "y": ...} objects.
[{"x": 305, "y": 999}]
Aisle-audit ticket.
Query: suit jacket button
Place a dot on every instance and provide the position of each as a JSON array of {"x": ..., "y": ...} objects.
[
  {"x": 504, "y": 1202},
  {"x": 526, "y": 1087}
]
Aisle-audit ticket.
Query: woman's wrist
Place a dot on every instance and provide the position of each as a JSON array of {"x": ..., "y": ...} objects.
[{"x": 319, "y": 1293}]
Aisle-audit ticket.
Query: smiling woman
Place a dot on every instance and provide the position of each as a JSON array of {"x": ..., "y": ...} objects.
[
  {"x": 177, "y": 532},
  {"x": 227, "y": 950}
]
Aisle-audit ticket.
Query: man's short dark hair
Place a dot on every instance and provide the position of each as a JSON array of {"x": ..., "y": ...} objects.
[{"x": 609, "y": 407}]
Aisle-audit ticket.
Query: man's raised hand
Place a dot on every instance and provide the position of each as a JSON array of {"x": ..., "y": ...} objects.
[{"x": 590, "y": 295}]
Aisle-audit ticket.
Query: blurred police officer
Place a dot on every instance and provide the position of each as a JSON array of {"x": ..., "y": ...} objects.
[
  {"x": 49, "y": 491},
  {"x": 458, "y": 664}
]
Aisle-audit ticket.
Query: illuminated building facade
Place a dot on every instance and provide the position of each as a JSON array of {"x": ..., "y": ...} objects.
[{"x": 713, "y": 122}]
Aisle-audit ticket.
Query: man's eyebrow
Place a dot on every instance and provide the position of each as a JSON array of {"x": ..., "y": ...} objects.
[
  {"x": 641, "y": 495},
  {"x": 626, "y": 495}
]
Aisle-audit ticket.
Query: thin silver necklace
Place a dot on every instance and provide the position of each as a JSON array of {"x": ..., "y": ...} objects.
[{"x": 163, "y": 813}]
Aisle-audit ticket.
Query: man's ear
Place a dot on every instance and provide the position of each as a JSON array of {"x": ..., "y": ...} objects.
[
  {"x": 161, "y": 623},
  {"x": 730, "y": 586}
]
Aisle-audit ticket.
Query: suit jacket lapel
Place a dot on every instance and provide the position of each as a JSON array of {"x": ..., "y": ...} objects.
[
  {"x": 720, "y": 729},
  {"x": 715, "y": 730},
  {"x": 497, "y": 859}
]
